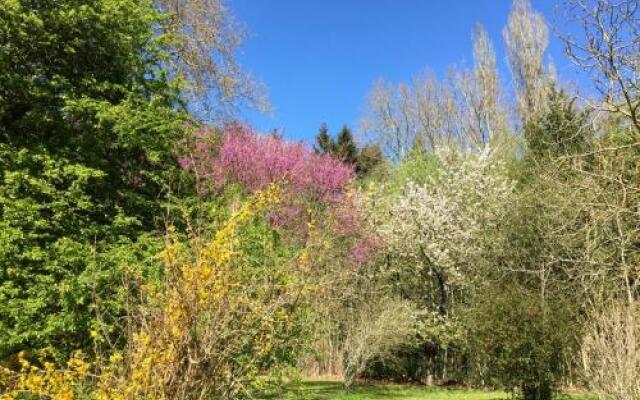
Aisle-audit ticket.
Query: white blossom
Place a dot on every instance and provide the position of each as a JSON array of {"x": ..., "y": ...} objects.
[{"x": 438, "y": 226}]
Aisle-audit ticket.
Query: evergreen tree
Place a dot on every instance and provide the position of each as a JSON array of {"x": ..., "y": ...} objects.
[
  {"x": 562, "y": 130},
  {"x": 346, "y": 149},
  {"x": 369, "y": 157},
  {"x": 345, "y": 146},
  {"x": 324, "y": 142}
]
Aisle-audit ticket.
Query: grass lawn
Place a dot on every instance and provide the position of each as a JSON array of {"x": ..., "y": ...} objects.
[{"x": 328, "y": 390}]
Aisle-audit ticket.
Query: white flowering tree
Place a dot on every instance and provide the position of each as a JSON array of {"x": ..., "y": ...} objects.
[
  {"x": 436, "y": 234},
  {"x": 438, "y": 229}
]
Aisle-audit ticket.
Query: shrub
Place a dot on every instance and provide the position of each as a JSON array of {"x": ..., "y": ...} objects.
[
  {"x": 316, "y": 196},
  {"x": 523, "y": 342},
  {"x": 255, "y": 161},
  {"x": 611, "y": 352},
  {"x": 225, "y": 315},
  {"x": 378, "y": 327}
]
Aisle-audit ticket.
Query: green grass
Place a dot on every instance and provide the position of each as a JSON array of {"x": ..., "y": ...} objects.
[
  {"x": 331, "y": 390},
  {"x": 323, "y": 390}
]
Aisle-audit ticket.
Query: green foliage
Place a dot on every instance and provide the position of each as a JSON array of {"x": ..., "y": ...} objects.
[
  {"x": 419, "y": 168},
  {"x": 523, "y": 342},
  {"x": 344, "y": 147},
  {"x": 561, "y": 131},
  {"x": 91, "y": 121},
  {"x": 369, "y": 159},
  {"x": 324, "y": 142},
  {"x": 88, "y": 122}
]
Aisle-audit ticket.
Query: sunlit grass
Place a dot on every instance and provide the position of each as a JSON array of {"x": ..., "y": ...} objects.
[
  {"x": 332, "y": 390},
  {"x": 326, "y": 390}
]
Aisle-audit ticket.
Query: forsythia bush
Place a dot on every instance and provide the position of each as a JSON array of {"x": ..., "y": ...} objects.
[
  {"x": 217, "y": 322},
  {"x": 47, "y": 381}
]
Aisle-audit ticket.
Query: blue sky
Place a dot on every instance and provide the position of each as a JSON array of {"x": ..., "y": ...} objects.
[{"x": 319, "y": 58}]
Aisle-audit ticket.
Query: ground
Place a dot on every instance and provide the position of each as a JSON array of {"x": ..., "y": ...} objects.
[{"x": 327, "y": 390}]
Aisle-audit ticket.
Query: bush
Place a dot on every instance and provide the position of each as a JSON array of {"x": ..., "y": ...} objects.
[
  {"x": 611, "y": 352},
  {"x": 378, "y": 327},
  {"x": 227, "y": 313},
  {"x": 522, "y": 342}
]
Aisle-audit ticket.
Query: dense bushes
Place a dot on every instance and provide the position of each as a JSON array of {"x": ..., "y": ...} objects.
[
  {"x": 226, "y": 315},
  {"x": 523, "y": 342},
  {"x": 144, "y": 255},
  {"x": 611, "y": 351}
]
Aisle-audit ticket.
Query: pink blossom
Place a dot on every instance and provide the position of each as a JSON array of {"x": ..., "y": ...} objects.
[
  {"x": 257, "y": 161},
  {"x": 363, "y": 249},
  {"x": 184, "y": 162},
  {"x": 238, "y": 155}
]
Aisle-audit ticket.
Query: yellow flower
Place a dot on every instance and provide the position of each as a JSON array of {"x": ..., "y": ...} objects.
[{"x": 115, "y": 358}]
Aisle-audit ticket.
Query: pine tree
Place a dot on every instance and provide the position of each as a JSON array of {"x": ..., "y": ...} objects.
[
  {"x": 324, "y": 142},
  {"x": 370, "y": 156},
  {"x": 345, "y": 146},
  {"x": 346, "y": 149}
]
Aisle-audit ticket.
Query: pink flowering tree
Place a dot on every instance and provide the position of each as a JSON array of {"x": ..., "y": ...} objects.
[
  {"x": 317, "y": 187},
  {"x": 256, "y": 161}
]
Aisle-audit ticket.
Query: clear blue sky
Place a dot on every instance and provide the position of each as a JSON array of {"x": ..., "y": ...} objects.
[{"x": 319, "y": 58}]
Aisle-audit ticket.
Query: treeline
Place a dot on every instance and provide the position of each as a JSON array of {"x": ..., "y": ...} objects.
[
  {"x": 153, "y": 248},
  {"x": 509, "y": 229}
]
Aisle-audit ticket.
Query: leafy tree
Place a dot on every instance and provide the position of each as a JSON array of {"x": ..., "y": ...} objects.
[
  {"x": 88, "y": 122},
  {"x": 435, "y": 238}
]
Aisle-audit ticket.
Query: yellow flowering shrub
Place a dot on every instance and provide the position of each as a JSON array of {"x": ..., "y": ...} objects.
[
  {"x": 46, "y": 381},
  {"x": 223, "y": 314}
]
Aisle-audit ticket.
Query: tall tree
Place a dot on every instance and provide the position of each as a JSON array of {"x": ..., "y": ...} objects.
[
  {"x": 88, "y": 123},
  {"x": 203, "y": 55},
  {"x": 491, "y": 116},
  {"x": 369, "y": 158},
  {"x": 609, "y": 51},
  {"x": 324, "y": 142},
  {"x": 426, "y": 108},
  {"x": 526, "y": 37},
  {"x": 345, "y": 145}
]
